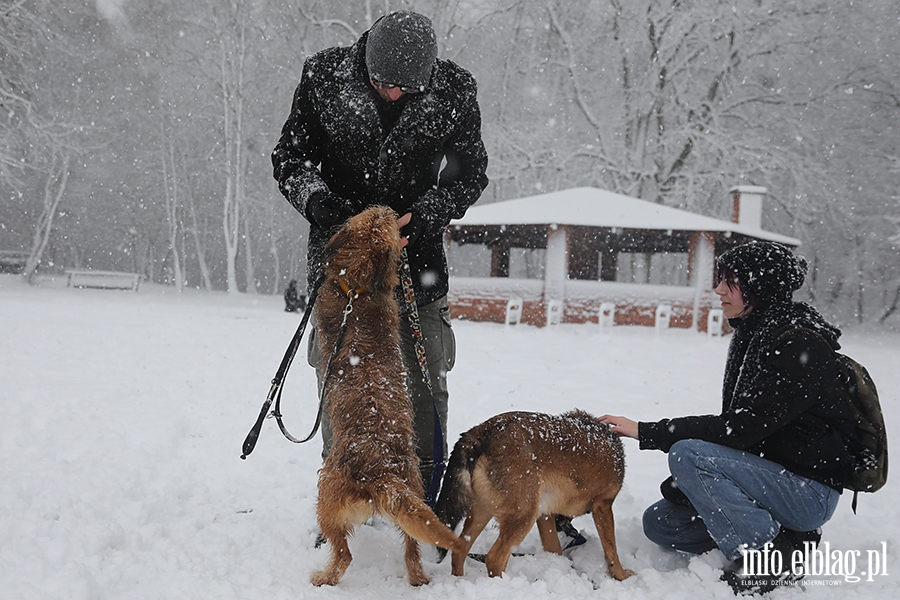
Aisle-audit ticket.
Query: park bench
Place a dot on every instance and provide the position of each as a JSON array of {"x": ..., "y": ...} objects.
[
  {"x": 106, "y": 280},
  {"x": 12, "y": 261}
]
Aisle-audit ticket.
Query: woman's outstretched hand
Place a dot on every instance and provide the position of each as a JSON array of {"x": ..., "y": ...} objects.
[{"x": 621, "y": 426}]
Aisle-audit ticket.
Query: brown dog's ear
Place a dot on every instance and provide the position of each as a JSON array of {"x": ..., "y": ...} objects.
[
  {"x": 382, "y": 265},
  {"x": 337, "y": 241}
]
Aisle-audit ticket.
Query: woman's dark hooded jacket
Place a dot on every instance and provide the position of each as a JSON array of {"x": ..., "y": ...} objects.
[
  {"x": 782, "y": 396},
  {"x": 422, "y": 154}
]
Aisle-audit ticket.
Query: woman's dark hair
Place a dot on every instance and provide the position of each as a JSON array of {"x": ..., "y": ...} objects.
[{"x": 750, "y": 299}]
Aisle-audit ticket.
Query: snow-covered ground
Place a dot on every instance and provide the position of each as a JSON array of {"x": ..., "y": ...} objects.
[{"x": 122, "y": 416}]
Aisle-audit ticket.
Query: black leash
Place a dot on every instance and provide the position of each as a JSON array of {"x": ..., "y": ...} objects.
[{"x": 278, "y": 386}]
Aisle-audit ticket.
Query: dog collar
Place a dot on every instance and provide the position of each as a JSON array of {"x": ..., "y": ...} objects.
[{"x": 348, "y": 290}]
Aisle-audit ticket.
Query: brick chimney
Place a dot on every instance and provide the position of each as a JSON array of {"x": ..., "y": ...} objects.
[{"x": 747, "y": 205}]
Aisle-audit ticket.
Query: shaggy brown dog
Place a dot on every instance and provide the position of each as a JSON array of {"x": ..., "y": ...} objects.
[
  {"x": 523, "y": 467},
  {"x": 372, "y": 467}
]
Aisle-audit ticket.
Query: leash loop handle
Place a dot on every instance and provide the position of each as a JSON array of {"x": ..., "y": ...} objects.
[
  {"x": 278, "y": 384},
  {"x": 337, "y": 344}
]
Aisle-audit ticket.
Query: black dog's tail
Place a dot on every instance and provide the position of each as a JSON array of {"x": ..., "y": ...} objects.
[{"x": 455, "y": 500}]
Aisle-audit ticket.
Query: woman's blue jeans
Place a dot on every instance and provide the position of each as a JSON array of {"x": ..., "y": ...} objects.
[{"x": 739, "y": 501}]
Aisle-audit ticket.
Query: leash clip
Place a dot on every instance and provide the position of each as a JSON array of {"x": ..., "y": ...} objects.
[{"x": 349, "y": 307}]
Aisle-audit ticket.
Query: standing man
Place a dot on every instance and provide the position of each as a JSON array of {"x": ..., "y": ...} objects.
[{"x": 387, "y": 122}]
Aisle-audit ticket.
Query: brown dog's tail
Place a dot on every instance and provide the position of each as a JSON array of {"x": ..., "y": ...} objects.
[{"x": 455, "y": 499}]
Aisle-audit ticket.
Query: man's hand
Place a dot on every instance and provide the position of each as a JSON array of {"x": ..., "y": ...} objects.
[
  {"x": 328, "y": 210},
  {"x": 621, "y": 426},
  {"x": 409, "y": 229}
]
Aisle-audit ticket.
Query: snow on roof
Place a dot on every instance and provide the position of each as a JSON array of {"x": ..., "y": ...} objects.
[{"x": 594, "y": 207}]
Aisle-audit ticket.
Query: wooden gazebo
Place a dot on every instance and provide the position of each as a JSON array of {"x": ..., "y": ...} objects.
[{"x": 583, "y": 231}]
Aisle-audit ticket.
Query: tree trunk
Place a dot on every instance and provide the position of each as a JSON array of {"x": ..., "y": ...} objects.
[
  {"x": 232, "y": 73},
  {"x": 199, "y": 245},
  {"x": 54, "y": 190},
  {"x": 249, "y": 273},
  {"x": 170, "y": 183}
]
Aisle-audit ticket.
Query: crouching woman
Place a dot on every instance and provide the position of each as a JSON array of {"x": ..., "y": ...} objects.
[{"x": 770, "y": 467}]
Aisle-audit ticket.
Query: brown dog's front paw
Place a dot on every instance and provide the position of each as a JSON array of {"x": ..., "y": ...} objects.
[
  {"x": 324, "y": 577},
  {"x": 620, "y": 574}
]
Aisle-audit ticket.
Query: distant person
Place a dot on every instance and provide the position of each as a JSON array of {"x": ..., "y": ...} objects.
[
  {"x": 385, "y": 121},
  {"x": 771, "y": 466},
  {"x": 294, "y": 301}
]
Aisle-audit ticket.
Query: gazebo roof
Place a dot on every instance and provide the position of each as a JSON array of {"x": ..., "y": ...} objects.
[{"x": 593, "y": 207}]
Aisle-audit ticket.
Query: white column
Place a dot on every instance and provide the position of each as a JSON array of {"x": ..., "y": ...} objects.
[
  {"x": 556, "y": 268},
  {"x": 702, "y": 257},
  {"x": 702, "y": 261}
]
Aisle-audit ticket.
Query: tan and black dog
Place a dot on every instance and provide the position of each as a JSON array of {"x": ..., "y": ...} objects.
[
  {"x": 372, "y": 467},
  {"x": 522, "y": 468}
]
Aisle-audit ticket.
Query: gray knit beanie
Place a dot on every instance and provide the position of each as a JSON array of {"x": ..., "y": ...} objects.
[{"x": 401, "y": 49}]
